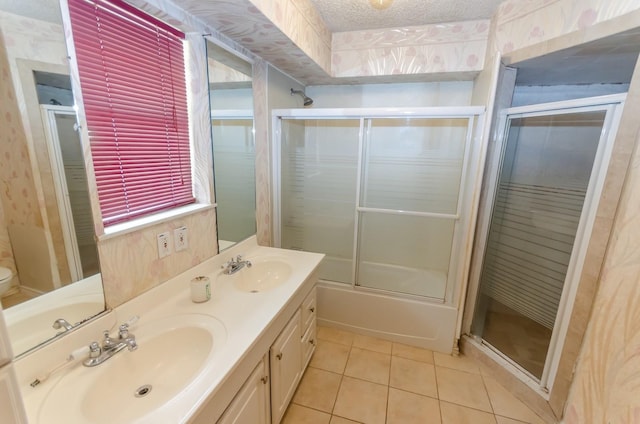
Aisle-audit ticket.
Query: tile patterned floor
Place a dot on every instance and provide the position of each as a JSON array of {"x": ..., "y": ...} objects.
[{"x": 359, "y": 379}]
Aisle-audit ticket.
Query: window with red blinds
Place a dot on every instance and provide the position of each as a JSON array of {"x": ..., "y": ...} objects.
[{"x": 132, "y": 76}]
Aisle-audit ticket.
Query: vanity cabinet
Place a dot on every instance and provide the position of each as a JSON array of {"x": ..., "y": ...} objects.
[
  {"x": 281, "y": 353},
  {"x": 285, "y": 357},
  {"x": 290, "y": 354},
  {"x": 251, "y": 404},
  {"x": 308, "y": 314}
]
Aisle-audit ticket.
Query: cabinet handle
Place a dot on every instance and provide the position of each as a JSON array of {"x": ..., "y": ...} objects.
[
  {"x": 265, "y": 379},
  {"x": 279, "y": 356},
  {"x": 312, "y": 309}
]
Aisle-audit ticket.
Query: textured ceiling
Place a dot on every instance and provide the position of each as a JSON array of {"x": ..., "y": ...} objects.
[{"x": 356, "y": 15}]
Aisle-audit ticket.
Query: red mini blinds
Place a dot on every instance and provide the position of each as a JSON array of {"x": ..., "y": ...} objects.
[{"x": 132, "y": 75}]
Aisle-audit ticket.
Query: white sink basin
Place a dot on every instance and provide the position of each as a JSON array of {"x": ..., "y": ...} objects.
[
  {"x": 263, "y": 274},
  {"x": 171, "y": 353}
]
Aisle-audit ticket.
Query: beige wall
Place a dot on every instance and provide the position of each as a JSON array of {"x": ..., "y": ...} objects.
[
  {"x": 32, "y": 44},
  {"x": 606, "y": 386},
  {"x": 522, "y": 30},
  {"x": 17, "y": 186}
]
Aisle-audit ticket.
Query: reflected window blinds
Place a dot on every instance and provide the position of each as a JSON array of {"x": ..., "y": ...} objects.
[{"x": 132, "y": 75}]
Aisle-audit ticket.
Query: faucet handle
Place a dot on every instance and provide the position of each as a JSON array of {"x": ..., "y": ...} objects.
[
  {"x": 107, "y": 342},
  {"x": 95, "y": 350},
  {"x": 123, "y": 331},
  {"x": 238, "y": 258}
]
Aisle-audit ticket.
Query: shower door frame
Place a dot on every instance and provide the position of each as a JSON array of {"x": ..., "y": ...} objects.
[
  {"x": 70, "y": 240},
  {"x": 613, "y": 105},
  {"x": 471, "y": 176}
]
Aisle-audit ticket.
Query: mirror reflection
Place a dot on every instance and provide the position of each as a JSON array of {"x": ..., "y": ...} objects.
[
  {"x": 231, "y": 100},
  {"x": 48, "y": 258}
]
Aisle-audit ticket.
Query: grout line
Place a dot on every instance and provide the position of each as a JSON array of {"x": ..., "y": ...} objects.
[
  {"x": 484, "y": 384},
  {"x": 470, "y": 407}
]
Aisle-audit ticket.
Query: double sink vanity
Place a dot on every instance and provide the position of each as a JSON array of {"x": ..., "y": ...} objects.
[{"x": 236, "y": 358}]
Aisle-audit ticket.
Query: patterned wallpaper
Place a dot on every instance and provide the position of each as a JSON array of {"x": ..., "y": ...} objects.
[
  {"x": 606, "y": 387},
  {"x": 442, "y": 48},
  {"x": 291, "y": 36},
  {"x": 130, "y": 264},
  {"x": 523, "y": 23},
  {"x": 17, "y": 190},
  {"x": 34, "y": 44},
  {"x": 606, "y": 384}
]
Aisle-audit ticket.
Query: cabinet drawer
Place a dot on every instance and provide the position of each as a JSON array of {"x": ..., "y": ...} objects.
[
  {"x": 309, "y": 309},
  {"x": 308, "y": 344}
]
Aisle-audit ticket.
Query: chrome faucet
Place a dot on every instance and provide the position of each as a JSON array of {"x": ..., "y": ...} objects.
[
  {"x": 110, "y": 346},
  {"x": 235, "y": 264},
  {"x": 62, "y": 323}
]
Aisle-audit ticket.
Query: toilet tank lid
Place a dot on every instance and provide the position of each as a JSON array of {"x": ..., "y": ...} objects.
[{"x": 5, "y": 273}]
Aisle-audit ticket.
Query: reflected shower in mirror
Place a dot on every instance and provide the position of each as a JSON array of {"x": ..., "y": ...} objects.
[
  {"x": 47, "y": 243},
  {"x": 231, "y": 100}
]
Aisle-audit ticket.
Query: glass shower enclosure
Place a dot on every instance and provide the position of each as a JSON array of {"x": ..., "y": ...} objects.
[
  {"x": 381, "y": 193},
  {"x": 553, "y": 161}
]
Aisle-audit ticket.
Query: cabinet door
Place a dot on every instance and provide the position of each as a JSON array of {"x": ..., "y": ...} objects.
[
  {"x": 308, "y": 344},
  {"x": 251, "y": 404},
  {"x": 286, "y": 367},
  {"x": 308, "y": 309}
]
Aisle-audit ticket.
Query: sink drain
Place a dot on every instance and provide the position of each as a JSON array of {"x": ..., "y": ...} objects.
[
  {"x": 255, "y": 291},
  {"x": 142, "y": 391}
]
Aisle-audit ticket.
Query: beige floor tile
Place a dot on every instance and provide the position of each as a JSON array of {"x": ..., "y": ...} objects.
[
  {"x": 340, "y": 420},
  {"x": 505, "y": 420},
  {"x": 507, "y": 405},
  {"x": 462, "y": 388},
  {"x": 412, "y": 352},
  {"x": 413, "y": 376},
  {"x": 335, "y": 335},
  {"x": 368, "y": 365},
  {"x": 456, "y": 414},
  {"x": 297, "y": 414},
  {"x": 460, "y": 363},
  {"x": 330, "y": 356},
  {"x": 409, "y": 408},
  {"x": 361, "y": 401},
  {"x": 318, "y": 389},
  {"x": 372, "y": 343}
]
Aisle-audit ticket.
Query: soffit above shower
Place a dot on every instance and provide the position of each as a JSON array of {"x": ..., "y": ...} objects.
[
  {"x": 359, "y": 15},
  {"x": 293, "y": 36},
  {"x": 609, "y": 60}
]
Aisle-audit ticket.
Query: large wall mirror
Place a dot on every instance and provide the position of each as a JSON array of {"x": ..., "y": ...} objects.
[
  {"x": 48, "y": 254},
  {"x": 231, "y": 101}
]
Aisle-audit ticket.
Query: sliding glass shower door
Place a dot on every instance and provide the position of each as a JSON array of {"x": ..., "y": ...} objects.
[
  {"x": 319, "y": 167},
  {"x": 411, "y": 176},
  {"x": 380, "y": 196},
  {"x": 551, "y": 164}
]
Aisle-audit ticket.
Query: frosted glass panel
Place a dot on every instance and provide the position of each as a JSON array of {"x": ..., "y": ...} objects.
[
  {"x": 406, "y": 254},
  {"x": 234, "y": 166},
  {"x": 319, "y": 180},
  {"x": 547, "y": 164},
  {"x": 414, "y": 164}
]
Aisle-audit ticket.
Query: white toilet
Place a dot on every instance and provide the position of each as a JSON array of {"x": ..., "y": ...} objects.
[{"x": 5, "y": 279}]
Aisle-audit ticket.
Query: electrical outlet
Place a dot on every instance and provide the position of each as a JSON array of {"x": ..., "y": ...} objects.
[
  {"x": 180, "y": 238},
  {"x": 164, "y": 244}
]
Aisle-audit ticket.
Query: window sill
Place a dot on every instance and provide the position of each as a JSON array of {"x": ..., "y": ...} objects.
[{"x": 147, "y": 221}]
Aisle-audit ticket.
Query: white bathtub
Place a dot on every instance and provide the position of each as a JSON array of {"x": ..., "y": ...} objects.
[
  {"x": 419, "y": 323},
  {"x": 419, "y": 282}
]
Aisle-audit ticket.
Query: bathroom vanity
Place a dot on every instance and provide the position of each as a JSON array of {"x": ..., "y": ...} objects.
[{"x": 236, "y": 358}]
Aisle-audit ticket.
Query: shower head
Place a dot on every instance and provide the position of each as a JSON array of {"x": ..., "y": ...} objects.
[{"x": 308, "y": 101}]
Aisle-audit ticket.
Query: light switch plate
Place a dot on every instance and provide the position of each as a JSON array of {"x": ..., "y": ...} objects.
[
  {"x": 164, "y": 244},
  {"x": 180, "y": 238}
]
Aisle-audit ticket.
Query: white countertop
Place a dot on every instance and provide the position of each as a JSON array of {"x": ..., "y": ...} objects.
[{"x": 251, "y": 321}]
